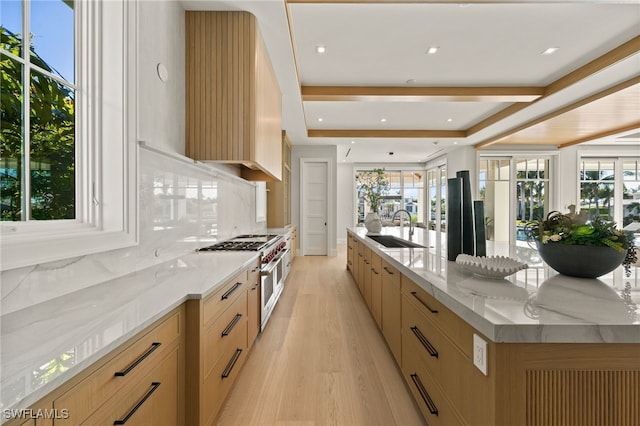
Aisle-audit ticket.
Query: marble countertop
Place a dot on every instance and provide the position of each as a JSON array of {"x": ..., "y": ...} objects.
[
  {"x": 47, "y": 344},
  {"x": 533, "y": 305}
]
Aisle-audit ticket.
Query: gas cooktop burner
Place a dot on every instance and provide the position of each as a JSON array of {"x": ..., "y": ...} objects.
[{"x": 248, "y": 242}]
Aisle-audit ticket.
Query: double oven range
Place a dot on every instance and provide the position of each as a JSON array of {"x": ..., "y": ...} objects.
[{"x": 273, "y": 257}]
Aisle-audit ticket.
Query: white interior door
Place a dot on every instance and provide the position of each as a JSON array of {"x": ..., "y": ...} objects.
[{"x": 314, "y": 207}]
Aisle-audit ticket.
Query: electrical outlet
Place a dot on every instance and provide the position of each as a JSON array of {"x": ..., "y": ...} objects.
[{"x": 480, "y": 353}]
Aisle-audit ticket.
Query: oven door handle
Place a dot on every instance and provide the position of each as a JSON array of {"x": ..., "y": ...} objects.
[
  {"x": 281, "y": 255},
  {"x": 267, "y": 272}
]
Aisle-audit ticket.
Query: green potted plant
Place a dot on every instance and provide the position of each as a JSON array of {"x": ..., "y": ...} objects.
[
  {"x": 571, "y": 246},
  {"x": 373, "y": 185}
]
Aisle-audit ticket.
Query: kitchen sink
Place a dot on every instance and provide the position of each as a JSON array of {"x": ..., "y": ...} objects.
[{"x": 394, "y": 242}]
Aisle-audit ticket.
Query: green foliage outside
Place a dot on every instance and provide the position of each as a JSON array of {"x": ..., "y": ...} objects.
[
  {"x": 52, "y": 131},
  {"x": 373, "y": 185}
]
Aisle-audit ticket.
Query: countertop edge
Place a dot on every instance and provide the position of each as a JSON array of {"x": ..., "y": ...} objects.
[
  {"x": 509, "y": 333},
  {"x": 196, "y": 292}
]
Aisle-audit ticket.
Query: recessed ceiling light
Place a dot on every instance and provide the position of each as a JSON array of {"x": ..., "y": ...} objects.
[
  {"x": 320, "y": 119},
  {"x": 353, "y": 141},
  {"x": 321, "y": 49},
  {"x": 550, "y": 50},
  {"x": 383, "y": 120},
  {"x": 449, "y": 120},
  {"x": 432, "y": 50},
  {"x": 455, "y": 142}
]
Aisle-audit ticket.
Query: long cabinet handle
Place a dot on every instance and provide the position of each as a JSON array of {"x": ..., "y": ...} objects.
[
  {"x": 433, "y": 311},
  {"x": 424, "y": 394},
  {"x": 232, "y": 324},
  {"x": 366, "y": 261},
  {"x": 154, "y": 386},
  {"x": 230, "y": 291},
  {"x": 425, "y": 342},
  {"x": 388, "y": 271},
  {"x": 231, "y": 363},
  {"x": 374, "y": 271},
  {"x": 154, "y": 346}
]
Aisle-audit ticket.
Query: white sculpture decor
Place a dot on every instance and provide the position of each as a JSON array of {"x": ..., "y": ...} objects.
[
  {"x": 494, "y": 267},
  {"x": 373, "y": 223}
]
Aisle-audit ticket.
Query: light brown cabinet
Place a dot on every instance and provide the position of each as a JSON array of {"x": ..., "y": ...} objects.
[
  {"x": 253, "y": 307},
  {"x": 436, "y": 346},
  {"x": 141, "y": 381},
  {"x": 218, "y": 344},
  {"x": 391, "y": 309},
  {"x": 294, "y": 242},
  {"x": 351, "y": 244},
  {"x": 376, "y": 288},
  {"x": 529, "y": 384},
  {"x": 366, "y": 277},
  {"x": 279, "y": 193},
  {"x": 233, "y": 101}
]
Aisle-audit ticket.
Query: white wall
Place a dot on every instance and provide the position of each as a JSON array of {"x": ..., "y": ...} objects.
[
  {"x": 181, "y": 206},
  {"x": 161, "y": 37},
  {"x": 321, "y": 151},
  {"x": 346, "y": 185}
]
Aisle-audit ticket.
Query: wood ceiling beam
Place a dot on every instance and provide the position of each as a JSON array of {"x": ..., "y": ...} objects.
[
  {"x": 420, "y": 94},
  {"x": 610, "y": 132},
  {"x": 558, "y": 112},
  {"x": 621, "y": 52},
  {"x": 369, "y": 133}
]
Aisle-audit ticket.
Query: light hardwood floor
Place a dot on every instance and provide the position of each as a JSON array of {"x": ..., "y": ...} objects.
[{"x": 321, "y": 359}]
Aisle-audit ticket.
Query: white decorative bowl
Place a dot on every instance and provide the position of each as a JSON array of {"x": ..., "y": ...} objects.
[{"x": 494, "y": 267}]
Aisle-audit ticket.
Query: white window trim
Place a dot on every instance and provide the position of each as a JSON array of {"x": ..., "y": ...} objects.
[{"x": 106, "y": 170}]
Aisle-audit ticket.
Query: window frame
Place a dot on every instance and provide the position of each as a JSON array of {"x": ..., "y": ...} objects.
[
  {"x": 513, "y": 157},
  {"x": 106, "y": 148}
]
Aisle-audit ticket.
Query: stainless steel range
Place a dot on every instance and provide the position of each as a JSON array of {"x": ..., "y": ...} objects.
[{"x": 273, "y": 249}]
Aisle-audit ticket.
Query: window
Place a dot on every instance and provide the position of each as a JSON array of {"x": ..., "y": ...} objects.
[
  {"x": 532, "y": 181},
  {"x": 494, "y": 176},
  {"x": 68, "y": 148},
  {"x": 37, "y": 143},
  {"x": 406, "y": 191},
  {"x": 597, "y": 183},
  {"x": 515, "y": 191},
  {"x": 610, "y": 188}
]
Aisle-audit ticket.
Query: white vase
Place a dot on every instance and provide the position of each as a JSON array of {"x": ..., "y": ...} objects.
[{"x": 373, "y": 223}]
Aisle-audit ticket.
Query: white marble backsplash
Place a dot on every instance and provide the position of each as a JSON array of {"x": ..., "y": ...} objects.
[{"x": 182, "y": 207}]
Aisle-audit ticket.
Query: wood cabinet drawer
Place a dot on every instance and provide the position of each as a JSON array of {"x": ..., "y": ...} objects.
[
  {"x": 451, "y": 325},
  {"x": 435, "y": 408},
  {"x": 116, "y": 374},
  {"x": 420, "y": 336},
  {"x": 222, "y": 298},
  {"x": 222, "y": 332},
  {"x": 152, "y": 400},
  {"x": 217, "y": 385},
  {"x": 391, "y": 274}
]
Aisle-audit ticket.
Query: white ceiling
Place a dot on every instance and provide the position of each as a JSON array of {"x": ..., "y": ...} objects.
[{"x": 480, "y": 44}]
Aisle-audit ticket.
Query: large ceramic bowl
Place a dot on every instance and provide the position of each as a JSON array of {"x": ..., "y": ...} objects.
[
  {"x": 580, "y": 261},
  {"x": 494, "y": 267}
]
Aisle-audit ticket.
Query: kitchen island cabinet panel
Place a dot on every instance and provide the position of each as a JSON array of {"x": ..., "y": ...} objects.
[
  {"x": 366, "y": 277},
  {"x": 540, "y": 371},
  {"x": 391, "y": 309},
  {"x": 376, "y": 288}
]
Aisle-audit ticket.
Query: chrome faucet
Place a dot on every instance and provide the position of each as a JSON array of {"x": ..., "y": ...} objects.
[{"x": 408, "y": 214}]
